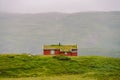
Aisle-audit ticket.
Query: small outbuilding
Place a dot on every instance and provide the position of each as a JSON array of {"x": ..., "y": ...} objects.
[{"x": 68, "y": 50}]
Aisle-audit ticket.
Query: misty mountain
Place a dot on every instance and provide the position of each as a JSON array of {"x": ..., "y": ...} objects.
[{"x": 95, "y": 33}]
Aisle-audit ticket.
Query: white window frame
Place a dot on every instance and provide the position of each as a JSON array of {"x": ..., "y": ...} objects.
[{"x": 52, "y": 52}]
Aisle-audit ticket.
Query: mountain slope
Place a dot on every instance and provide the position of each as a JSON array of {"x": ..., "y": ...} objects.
[{"x": 27, "y": 33}]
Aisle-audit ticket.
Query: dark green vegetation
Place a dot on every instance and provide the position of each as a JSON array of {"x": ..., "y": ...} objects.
[{"x": 24, "y": 65}]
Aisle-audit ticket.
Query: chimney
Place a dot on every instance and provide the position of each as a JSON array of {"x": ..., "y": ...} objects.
[{"x": 59, "y": 44}]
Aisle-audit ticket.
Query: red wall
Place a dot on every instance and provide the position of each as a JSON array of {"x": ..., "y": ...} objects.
[
  {"x": 46, "y": 52},
  {"x": 68, "y": 54},
  {"x": 71, "y": 54},
  {"x": 74, "y": 54},
  {"x": 57, "y": 52},
  {"x": 62, "y": 53}
]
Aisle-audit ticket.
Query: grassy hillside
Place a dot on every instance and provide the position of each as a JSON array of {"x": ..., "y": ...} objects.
[
  {"x": 103, "y": 68},
  {"x": 60, "y": 77}
]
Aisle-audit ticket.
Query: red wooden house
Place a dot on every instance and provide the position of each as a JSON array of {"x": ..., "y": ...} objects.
[{"x": 68, "y": 50}]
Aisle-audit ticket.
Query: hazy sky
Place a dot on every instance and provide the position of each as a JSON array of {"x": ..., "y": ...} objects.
[{"x": 36, "y": 6}]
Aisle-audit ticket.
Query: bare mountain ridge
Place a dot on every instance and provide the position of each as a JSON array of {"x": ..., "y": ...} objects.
[{"x": 26, "y": 33}]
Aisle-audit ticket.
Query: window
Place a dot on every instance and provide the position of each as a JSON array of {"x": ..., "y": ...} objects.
[
  {"x": 65, "y": 53},
  {"x": 52, "y": 52}
]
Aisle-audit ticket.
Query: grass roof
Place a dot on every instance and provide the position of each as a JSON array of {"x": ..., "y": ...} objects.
[{"x": 61, "y": 47}]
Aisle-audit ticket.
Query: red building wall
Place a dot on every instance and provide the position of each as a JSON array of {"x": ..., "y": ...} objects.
[
  {"x": 74, "y": 54},
  {"x": 57, "y": 52},
  {"x": 46, "y": 52},
  {"x": 69, "y": 54},
  {"x": 62, "y": 53}
]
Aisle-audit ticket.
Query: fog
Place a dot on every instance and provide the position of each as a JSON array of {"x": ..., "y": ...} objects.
[{"x": 69, "y": 6}]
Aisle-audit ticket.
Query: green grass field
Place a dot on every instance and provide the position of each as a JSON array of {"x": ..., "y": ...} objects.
[
  {"x": 62, "y": 77},
  {"x": 34, "y": 67}
]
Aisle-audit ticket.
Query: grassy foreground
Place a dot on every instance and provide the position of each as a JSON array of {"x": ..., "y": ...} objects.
[
  {"x": 16, "y": 67},
  {"x": 62, "y": 77}
]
